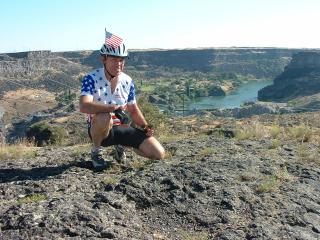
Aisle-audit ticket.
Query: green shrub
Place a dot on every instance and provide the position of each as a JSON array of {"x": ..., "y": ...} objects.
[
  {"x": 152, "y": 114},
  {"x": 44, "y": 134}
]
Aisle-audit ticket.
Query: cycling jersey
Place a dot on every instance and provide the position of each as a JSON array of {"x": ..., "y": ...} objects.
[{"x": 96, "y": 84}]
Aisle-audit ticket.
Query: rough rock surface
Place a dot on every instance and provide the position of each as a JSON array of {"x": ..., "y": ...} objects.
[
  {"x": 208, "y": 187},
  {"x": 254, "y": 108}
]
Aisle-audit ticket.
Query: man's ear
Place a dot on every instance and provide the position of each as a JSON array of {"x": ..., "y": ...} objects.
[{"x": 103, "y": 59}]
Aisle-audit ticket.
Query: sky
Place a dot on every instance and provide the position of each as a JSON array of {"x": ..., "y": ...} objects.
[{"x": 69, "y": 25}]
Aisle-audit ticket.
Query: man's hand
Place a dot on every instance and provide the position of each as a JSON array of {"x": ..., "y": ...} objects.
[
  {"x": 113, "y": 107},
  {"x": 148, "y": 130}
]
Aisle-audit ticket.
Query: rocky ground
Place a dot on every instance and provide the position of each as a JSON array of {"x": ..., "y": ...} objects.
[{"x": 211, "y": 185}]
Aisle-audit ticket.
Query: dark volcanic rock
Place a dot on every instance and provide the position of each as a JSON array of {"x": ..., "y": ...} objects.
[{"x": 209, "y": 188}]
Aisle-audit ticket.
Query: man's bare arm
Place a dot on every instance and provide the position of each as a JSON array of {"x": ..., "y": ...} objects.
[
  {"x": 136, "y": 115},
  {"x": 88, "y": 106}
]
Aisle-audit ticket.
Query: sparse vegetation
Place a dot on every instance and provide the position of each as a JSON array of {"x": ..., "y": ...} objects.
[
  {"x": 17, "y": 151},
  {"x": 66, "y": 97},
  {"x": 153, "y": 116},
  {"x": 138, "y": 164},
  {"x": 275, "y": 143},
  {"x": 79, "y": 150},
  {"x": 32, "y": 198},
  {"x": 302, "y": 132},
  {"x": 248, "y": 176},
  {"x": 268, "y": 185},
  {"x": 207, "y": 152},
  {"x": 273, "y": 182},
  {"x": 44, "y": 134},
  {"x": 275, "y": 131},
  {"x": 110, "y": 181},
  {"x": 253, "y": 131},
  {"x": 187, "y": 235},
  {"x": 284, "y": 176}
]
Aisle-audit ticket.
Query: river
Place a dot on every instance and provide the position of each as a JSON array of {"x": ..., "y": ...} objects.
[{"x": 244, "y": 93}]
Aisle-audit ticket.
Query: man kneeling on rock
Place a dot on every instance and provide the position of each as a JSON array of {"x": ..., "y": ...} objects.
[{"x": 106, "y": 94}]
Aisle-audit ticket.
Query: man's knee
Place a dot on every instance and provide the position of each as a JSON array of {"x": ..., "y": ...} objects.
[
  {"x": 151, "y": 148},
  {"x": 160, "y": 154}
]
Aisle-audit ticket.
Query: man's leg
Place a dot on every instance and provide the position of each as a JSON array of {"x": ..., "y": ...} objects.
[
  {"x": 151, "y": 148},
  {"x": 100, "y": 128},
  {"x": 119, "y": 152}
]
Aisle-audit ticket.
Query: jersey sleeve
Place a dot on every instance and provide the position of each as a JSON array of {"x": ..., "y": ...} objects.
[
  {"x": 132, "y": 95},
  {"x": 87, "y": 85}
]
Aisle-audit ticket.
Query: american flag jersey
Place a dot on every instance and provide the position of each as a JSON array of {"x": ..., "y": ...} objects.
[{"x": 96, "y": 84}]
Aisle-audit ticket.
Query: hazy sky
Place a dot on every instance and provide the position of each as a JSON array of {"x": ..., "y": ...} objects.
[{"x": 65, "y": 25}]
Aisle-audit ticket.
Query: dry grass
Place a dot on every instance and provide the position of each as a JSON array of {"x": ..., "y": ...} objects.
[
  {"x": 255, "y": 130},
  {"x": 284, "y": 176},
  {"x": 268, "y": 185},
  {"x": 307, "y": 155},
  {"x": 80, "y": 149},
  {"x": 302, "y": 133},
  {"x": 249, "y": 176},
  {"x": 275, "y": 181},
  {"x": 275, "y": 143},
  {"x": 252, "y": 131},
  {"x": 208, "y": 151},
  {"x": 32, "y": 198},
  {"x": 138, "y": 164},
  {"x": 19, "y": 150},
  {"x": 110, "y": 180},
  {"x": 172, "y": 137},
  {"x": 187, "y": 235},
  {"x": 275, "y": 131}
]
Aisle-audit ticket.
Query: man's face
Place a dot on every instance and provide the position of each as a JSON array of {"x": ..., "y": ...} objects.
[{"x": 114, "y": 65}]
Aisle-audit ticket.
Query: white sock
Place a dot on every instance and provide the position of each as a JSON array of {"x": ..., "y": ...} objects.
[{"x": 94, "y": 149}]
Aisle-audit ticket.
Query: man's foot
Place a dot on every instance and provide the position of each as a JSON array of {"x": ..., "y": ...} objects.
[
  {"x": 120, "y": 155},
  {"x": 98, "y": 162}
]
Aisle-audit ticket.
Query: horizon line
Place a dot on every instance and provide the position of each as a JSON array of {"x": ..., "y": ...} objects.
[{"x": 167, "y": 49}]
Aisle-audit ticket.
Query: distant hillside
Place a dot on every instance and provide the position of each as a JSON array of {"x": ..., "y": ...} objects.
[
  {"x": 42, "y": 68},
  {"x": 159, "y": 74},
  {"x": 257, "y": 62},
  {"x": 39, "y": 69}
]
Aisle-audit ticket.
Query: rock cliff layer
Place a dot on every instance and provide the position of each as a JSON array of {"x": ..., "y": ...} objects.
[{"x": 300, "y": 78}]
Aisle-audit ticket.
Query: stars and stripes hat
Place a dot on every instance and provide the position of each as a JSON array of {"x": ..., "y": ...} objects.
[{"x": 113, "y": 46}]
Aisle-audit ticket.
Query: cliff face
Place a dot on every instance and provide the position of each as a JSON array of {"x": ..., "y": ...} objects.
[
  {"x": 300, "y": 78},
  {"x": 259, "y": 63},
  {"x": 38, "y": 69},
  {"x": 256, "y": 62},
  {"x": 25, "y": 63},
  {"x": 53, "y": 71},
  {"x": 33, "y": 64}
]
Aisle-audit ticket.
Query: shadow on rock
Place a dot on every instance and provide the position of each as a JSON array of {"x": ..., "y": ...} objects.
[{"x": 38, "y": 173}]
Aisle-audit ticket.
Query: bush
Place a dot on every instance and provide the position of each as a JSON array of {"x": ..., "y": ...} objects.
[
  {"x": 152, "y": 114},
  {"x": 44, "y": 134}
]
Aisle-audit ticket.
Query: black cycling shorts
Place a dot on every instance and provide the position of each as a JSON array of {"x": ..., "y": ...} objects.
[{"x": 125, "y": 136}]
